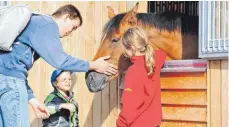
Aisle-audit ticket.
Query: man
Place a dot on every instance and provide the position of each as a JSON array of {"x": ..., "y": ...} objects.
[{"x": 39, "y": 39}]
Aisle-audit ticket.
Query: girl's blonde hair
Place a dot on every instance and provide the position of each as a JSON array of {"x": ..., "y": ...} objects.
[{"x": 136, "y": 37}]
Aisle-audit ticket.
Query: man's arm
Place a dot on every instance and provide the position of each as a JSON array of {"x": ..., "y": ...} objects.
[{"x": 45, "y": 41}]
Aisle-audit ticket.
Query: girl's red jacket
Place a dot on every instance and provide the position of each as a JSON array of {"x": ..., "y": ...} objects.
[{"x": 141, "y": 98}]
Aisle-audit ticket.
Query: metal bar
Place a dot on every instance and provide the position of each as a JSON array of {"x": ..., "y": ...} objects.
[
  {"x": 213, "y": 23},
  {"x": 183, "y": 6},
  {"x": 172, "y": 6},
  {"x": 178, "y": 7},
  {"x": 161, "y": 6},
  {"x": 219, "y": 22},
  {"x": 186, "y": 7},
  {"x": 175, "y": 6},
  {"x": 197, "y": 6},
  {"x": 149, "y": 3},
  {"x": 202, "y": 26},
  {"x": 5, "y": 3},
  {"x": 189, "y": 8},
  {"x": 209, "y": 22},
  {"x": 205, "y": 24},
  {"x": 194, "y": 8},
  {"x": 164, "y": 10},
  {"x": 166, "y": 6},
  {"x": 227, "y": 27},
  {"x": 158, "y": 6},
  {"x": 192, "y": 3},
  {"x": 224, "y": 24},
  {"x": 155, "y": 6}
]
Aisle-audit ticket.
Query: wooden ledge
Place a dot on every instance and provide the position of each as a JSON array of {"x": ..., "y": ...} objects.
[{"x": 196, "y": 65}]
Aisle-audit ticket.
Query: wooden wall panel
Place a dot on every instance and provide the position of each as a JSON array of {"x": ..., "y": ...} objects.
[
  {"x": 215, "y": 94},
  {"x": 191, "y": 97},
  {"x": 105, "y": 92},
  {"x": 183, "y": 81},
  {"x": 185, "y": 113},
  {"x": 182, "y": 124},
  {"x": 218, "y": 93},
  {"x": 224, "y": 91},
  {"x": 88, "y": 51},
  {"x": 97, "y": 103}
]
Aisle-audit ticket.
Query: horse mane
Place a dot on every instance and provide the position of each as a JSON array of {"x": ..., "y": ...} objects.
[{"x": 169, "y": 21}]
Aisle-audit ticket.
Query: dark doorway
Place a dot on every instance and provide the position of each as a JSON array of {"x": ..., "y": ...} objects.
[{"x": 186, "y": 7}]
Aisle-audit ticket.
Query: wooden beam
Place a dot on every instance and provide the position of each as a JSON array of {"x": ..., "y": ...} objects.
[
  {"x": 224, "y": 91},
  {"x": 192, "y": 97},
  {"x": 183, "y": 80},
  {"x": 195, "y": 114},
  {"x": 182, "y": 124},
  {"x": 216, "y": 106}
]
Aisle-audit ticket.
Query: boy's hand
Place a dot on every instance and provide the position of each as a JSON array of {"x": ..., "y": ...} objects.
[
  {"x": 69, "y": 106},
  {"x": 39, "y": 109}
]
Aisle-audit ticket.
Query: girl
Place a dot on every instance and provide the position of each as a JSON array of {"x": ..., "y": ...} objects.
[{"x": 141, "y": 96}]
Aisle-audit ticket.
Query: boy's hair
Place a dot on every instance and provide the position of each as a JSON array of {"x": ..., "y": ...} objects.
[
  {"x": 137, "y": 37},
  {"x": 73, "y": 12}
]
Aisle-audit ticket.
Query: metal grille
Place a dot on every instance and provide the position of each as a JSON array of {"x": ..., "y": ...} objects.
[
  {"x": 4, "y": 3},
  {"x": 213, "y": 29},
  {"x": 186, "y": 7}
]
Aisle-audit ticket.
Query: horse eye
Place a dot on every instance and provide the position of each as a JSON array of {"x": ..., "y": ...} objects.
[{"x": 115, "y": 40}]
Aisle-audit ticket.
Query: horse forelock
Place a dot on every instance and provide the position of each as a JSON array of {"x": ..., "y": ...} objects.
[{"x": 111, "y": 25}]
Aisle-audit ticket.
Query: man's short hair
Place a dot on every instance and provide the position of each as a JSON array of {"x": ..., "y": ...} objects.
[{"x": 68, "y": 9}]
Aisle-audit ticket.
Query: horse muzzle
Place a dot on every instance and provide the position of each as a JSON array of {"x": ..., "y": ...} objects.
[{"x": 96, "y": 81}]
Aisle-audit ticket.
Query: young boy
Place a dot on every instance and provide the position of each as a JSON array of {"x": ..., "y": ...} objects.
[{"x": 62, "y": 107}]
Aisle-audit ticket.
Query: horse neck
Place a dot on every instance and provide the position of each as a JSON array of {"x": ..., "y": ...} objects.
[{"x": 164, "y": 40}]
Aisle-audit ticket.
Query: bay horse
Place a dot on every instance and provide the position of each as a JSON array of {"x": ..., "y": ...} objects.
[{"x": 174, "y": 33}]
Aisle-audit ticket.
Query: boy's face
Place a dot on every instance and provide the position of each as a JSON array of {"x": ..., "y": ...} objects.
[
  {"x": 67, "y": 25},
  {"x": 64, "y": 81}
]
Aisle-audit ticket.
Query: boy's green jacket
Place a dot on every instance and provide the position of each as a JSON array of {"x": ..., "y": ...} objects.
[{"x": 63, "y": 117}]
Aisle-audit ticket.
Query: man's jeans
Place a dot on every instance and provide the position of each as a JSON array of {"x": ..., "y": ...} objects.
[{"x": 13, "y": 102}]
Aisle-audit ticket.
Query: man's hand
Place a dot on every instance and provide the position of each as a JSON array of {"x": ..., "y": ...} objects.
[
  {"x": 101, "y": 66},
  {"x": 69, "y": 106},
  {"x": 39, "y": 109}
]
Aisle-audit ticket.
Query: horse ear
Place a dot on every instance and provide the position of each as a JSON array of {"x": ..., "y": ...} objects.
[
  {"x": 129, "y": 20},
  {"x": 130, "y": 17},
  {"x": 111, "y": 12}
]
